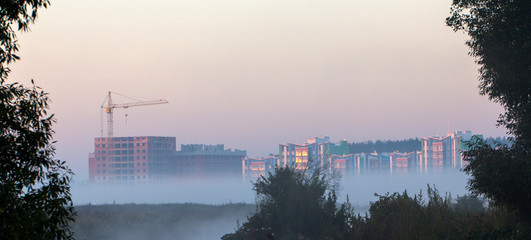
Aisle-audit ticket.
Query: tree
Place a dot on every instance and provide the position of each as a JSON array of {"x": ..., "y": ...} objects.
[
  {"x": 401, "y": 216},
  {"x": 35, "y": 200},
  {"x": 295, "y": 204},
  {"x": 502, "y": 174},
  {"x": 500, "y": 40}
]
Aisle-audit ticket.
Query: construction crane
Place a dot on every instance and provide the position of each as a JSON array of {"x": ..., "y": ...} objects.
[{"x": 110, "y": 106}]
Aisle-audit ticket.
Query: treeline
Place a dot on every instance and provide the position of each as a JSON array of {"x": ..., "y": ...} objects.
[
  {"x": 294, "y": 204},
  {"x": 402, "y": 216},
  {"x": 407, "y": 145}
]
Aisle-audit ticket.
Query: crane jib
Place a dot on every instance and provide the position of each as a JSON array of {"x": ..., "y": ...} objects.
[{"x": 110, "y": 105}]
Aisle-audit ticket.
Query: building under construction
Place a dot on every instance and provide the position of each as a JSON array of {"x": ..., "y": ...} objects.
[{"x": 148, "y": 158}]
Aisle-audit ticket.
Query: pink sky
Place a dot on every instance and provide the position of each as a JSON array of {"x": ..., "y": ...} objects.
[{"x": 252, "y": 74}]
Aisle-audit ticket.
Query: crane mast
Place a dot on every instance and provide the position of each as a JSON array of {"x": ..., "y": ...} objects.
[{"x": 110, "y": 106}]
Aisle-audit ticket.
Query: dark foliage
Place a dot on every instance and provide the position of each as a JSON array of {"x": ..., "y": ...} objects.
[
  {"x": 500, "y": 40},
  {"x": 408, "y": 145},
  {"x": 500, "y": 33},
  {"x": 294, "y": 204},
  {"x": 498, "y": 142},
  {"x": 290, "y": 215},
  {"x": 35, "y": 201},
  {"x": 501, "y": 174},
  {"x": 400, "y": 216}
]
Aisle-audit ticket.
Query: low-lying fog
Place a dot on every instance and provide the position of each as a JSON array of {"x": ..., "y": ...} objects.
[{"x": 360, "y": 189}]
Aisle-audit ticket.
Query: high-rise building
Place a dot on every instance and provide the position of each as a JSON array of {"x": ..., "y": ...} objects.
[
  {"x": 405, "y": 162},
  {"x": 343, "y": 163},
  {"x": 127, "y": 159},
  {"x": 256, "y": 167},
  {"x": 444, "y": 152},
  {"x": 314, "y": 152},
  {"x": 341, "y": 160},
  {"x": 199, "y": 160},
  {"x": 395, "y": 162},
  {"x": 147, "y": 158}
]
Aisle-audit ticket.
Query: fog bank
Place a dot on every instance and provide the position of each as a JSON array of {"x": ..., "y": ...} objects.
[{"x": 360, "y": 189}]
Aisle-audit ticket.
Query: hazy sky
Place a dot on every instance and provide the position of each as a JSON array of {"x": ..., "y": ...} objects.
[{"x": 254, "y": 73}]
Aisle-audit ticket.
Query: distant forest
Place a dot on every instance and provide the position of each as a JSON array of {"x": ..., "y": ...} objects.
[{"x": 407, "y": 145}]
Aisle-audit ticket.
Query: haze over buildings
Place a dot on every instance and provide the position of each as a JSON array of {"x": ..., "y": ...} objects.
[
  {"x": 253, "y": 74},
  {"x": 155, "y": 159}
]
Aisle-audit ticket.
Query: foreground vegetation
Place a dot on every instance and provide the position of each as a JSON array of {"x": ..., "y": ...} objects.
[
  {"x": 294, "y": 204},
  {"x": 35, "y": 199}
]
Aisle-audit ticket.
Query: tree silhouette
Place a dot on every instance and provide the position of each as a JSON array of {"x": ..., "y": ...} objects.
[
  {"x": 500, "y": 40},
  {"x": 295, "y": 204},
  {"x": 35, "y": 200}
]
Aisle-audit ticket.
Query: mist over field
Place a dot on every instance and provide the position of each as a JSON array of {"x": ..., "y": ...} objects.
[
  {"x": 208, "y": 209},
  {"x": 208, "y": 191},
  {"x": 359, "y": 188},
  {"x": 160, "y": 221}
]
